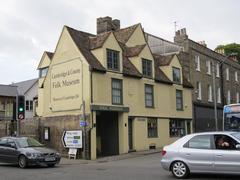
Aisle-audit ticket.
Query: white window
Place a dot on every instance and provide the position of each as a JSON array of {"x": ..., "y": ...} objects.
[
  {"x": 236, "y": 76},
  {"x": 199, "y": 91},
  {"x": 218, "y": 95},
  {"x": 237, "y": 97},
  {"x": 208, "y": 65},
  {"x": 217, "y": 70},
  {"x": 209, "y": 93},
  {"x": 228, "y": 97},
  {"x": 197, "y": 63},
  {"x": 227, "y": 74}
]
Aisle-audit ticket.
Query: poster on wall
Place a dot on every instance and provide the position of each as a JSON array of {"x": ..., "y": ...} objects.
[
  {"x": 72, "y": 139},
  {"x": 66, "y": 86}
]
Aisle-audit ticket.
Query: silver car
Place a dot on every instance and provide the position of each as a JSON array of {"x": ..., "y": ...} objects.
[{"x": 210, "y": 152}]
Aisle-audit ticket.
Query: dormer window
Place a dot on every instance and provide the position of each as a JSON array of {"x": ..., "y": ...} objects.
[
  {"x": 43, "y": 72},
  {"x": 113, "y": 60},
  {"x": 176, "y": 75},
  {"x": 147, "y": 68}
]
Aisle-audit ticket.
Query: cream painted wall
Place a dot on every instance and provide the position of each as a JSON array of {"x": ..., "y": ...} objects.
[
  {"x": 137, "y": 38},
  {"x": 44, "y": 62},
  {"x": 140, "y": 134},
  {"x": 101, "y": 53},
  {"x": 137, "y": 60},
  {"x": 134, "y": 96},
  {"x": 66, "y": 51}
]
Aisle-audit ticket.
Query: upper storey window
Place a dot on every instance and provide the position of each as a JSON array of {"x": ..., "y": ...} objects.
[
  {"x": 113, "y": 60},
  {"x": 147, "y": 68},
  {"x": 197, "y": 63},
  {"x": 176, "y": 75},
  {"x": 43, "y": 72}
]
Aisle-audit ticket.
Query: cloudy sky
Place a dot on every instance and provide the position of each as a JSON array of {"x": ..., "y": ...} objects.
[{"x": 29, "y": 27}]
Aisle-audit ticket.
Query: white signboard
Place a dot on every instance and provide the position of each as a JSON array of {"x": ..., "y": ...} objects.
[
  {"x": 65, "y": 85},
  {"x": 72, "y": 139}
]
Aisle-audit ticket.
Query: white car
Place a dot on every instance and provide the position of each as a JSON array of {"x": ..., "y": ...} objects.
[{"x": 209, "y": 152}]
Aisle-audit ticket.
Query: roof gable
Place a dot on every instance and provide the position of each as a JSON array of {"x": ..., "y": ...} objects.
[{"x": 123, "y": 35}]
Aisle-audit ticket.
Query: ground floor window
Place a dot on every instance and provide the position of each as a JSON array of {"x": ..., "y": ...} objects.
[
  {"x": 177, "y": 128},
  {"x": 152, "y": 127}
]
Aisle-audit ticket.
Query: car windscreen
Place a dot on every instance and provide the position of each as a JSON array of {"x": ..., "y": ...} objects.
[
  {"x": 28, "y": 142},
  {"x": 236, "y": 135}
]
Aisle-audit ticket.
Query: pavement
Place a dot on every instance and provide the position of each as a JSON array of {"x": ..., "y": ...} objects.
[{"x": 67, "y": 161}]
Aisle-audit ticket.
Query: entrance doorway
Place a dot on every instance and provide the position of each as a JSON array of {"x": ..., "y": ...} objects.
[
  {"x": 107, "y": 133},
  {"x": 130, "y": 134}
]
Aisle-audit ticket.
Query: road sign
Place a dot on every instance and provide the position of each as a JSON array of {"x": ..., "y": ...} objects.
[
  {"x": 72, "y": 139},
  {"x": 20, "y": 116},
  {"x": 83, "y": 123}
]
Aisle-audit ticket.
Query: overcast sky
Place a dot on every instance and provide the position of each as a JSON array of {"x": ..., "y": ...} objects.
[{"x": 29, "y": 27}]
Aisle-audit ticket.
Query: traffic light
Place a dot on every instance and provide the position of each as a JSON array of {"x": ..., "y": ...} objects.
[{"x": 21, "y": 107}]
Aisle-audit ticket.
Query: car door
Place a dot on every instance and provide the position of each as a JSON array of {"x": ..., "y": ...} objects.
[
  {"x": 12, "y": 152},
  {"x": 198, "y": 153},
  {"x": 227, "y": 159},
  {"x": 3, "y": 152}
]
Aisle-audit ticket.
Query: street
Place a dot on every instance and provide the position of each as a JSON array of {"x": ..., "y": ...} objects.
[{"x": 139, "y": 168}]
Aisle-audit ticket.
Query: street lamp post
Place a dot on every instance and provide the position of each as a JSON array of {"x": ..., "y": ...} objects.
[{"x": 214, "y": 96}]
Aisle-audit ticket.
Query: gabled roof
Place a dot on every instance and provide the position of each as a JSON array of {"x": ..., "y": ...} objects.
[
  {"x": 129, "y": 69},
  {"x": 99, "y": 40},
  {"x": 50, "y": 54},
  {"x": 164, "y": 60},
  {"x": 82, "y": 41},
  {"x": 159, "y": 75},
  {"x": 122, "y": 35},
  {"x": 8, "y": 90},
  {"x": 24, "y": 86},
  {"x": 133, "y": 51}
]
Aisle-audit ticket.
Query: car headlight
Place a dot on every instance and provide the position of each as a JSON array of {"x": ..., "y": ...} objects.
[{"x": 34, "y": 155}]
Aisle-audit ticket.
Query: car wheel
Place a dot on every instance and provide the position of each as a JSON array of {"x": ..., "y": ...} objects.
[
  {"x": 22, "y": 161},
  {"x": 180, "y": 169}
]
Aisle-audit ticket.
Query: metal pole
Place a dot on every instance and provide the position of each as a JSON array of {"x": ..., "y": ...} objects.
[
  {"x": 214, "y": 96},
  {"x": 18, "y": 122}
]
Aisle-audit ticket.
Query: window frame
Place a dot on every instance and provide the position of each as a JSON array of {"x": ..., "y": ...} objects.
[
  {"x": 219, "y": 95},
  {"x": 236, "y": 76},
  {"x": 178, "y": 81},
  {"x": 217, "y": 70},
  {"x": 199, "y": 91},
  {"x": 212, "y": 146},
  {"x": 153, "y": 132},
  {"x": 152, "y": 95},
  {"x": 209, "y": 90},
  {"x": 228, "y": 97},
  {"x": 146, "y": 66},
  {"x": 121, "y": 91},
  {"x": 180, "y": 98},
  {"x": 197, "y": 62},
  {"x": 208, "y": 65},
  {"x": 177, "y": 128},
  {"x": 41, "y": 70},
  {"x": 112, "y": 63},
  {"x": 227, "y": 74}
]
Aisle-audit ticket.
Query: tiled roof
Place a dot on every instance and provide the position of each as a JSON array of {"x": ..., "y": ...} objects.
[
  {"x": 164, "y": 60},
  {"x": 133, "y": 51},
  {"x": 129, "y": 69},
  {"x": 50, "y": 54},
  {"x": 124, "y": 34},
  {"x": 82, "y": 41},
  {"x": 24, "y": 86},
  {"x": 98, "y": 41},
  {"x": 159, "y": 75},
  {"x": 8, "y": 90}
]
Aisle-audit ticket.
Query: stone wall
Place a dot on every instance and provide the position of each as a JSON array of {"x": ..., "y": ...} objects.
[{"x": 57, "y": 125}]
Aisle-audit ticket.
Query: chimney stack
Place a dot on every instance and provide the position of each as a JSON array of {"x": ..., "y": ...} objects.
[
  {"x": 180, "y": 36},
  {"x": 105, "y": 24}
]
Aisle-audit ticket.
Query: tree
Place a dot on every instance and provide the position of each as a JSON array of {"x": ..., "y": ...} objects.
[{"x": 230, "y": 49}]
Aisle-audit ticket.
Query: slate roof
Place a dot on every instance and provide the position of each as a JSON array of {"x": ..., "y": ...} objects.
[
  {"x": 122, "y": 35},
  {"x": 24, "y": 86},
  {"x": 129, "y": 69},
  {"x": 82, "y": 41},
  {"x": 164, "y": 60},
  {"x": 133, "y": 51},
  {"x": 98, "y": 41},
  {"x": 8, "y": 90}
]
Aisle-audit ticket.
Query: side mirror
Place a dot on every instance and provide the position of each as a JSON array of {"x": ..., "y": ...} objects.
[
  {"x": 237, "y": 146},
  {"x": 11, "y": 145}
]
